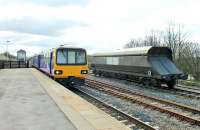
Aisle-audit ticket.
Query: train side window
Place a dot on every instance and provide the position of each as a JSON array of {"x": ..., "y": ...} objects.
[
  {"x": 112, "y": 60},
  {"x": 115, "y": 61},
  {"x": 109, "y": 60}
]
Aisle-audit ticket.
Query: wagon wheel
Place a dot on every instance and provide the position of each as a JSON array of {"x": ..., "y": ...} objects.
[
  {"x": 146, "y": 82},
  {"x": 171, "y": 84}
]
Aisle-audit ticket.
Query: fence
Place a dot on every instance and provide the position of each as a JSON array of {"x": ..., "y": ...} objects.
[{"x": 13, "y": 64}]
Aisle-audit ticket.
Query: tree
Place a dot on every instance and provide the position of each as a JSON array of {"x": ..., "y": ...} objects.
[
  {"x": 190, "y": 59},
  {"x": 134, "y": 43},
  {"x": 175, "y": 38},
  {"x": 151, "y": 39}
]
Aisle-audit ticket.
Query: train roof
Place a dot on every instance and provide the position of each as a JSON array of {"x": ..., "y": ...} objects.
[
  {"x": 69, "y": 47},
  {"x": 148, "y": 50}
]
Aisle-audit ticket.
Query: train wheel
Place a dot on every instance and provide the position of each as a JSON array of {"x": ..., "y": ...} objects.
[
  {"x": 146, "y": 82},
  {"x": 171, "y": 84},
  {"x": 156, "y": 83},
  {"x": 100, "y": 74}
]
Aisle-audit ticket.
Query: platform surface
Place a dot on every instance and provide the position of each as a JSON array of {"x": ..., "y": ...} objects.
[
  {"x": 25, "y": 105},
  {"x": 29, "y": 100}
]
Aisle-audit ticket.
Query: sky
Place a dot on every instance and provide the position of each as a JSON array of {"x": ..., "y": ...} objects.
[{"x": 96, "y": 25}]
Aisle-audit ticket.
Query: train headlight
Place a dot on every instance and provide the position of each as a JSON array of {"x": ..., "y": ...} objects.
[
  {"x": 58, "y": 72},
  {"x": 84, "y": 71}
]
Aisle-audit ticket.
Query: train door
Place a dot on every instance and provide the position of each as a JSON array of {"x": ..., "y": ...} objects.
[
  {"x": 39, "y": 57},
  {"x": 51, "y": 62}
]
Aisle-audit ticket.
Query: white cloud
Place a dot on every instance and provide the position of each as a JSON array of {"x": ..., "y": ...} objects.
[
  {"x": 110, "y": 23},
  {"x": 45, "y": 2}
]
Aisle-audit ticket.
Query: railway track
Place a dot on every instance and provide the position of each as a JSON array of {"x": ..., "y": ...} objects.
[
  {"x": 178, "y": 90},
  {"x": 187, "y": 92},
  {"x": 183, "y": 91},
  {"x": 189, "y": 87},
  {"x": 123, "y": 117},
  {"x": 177, "y": 110},
  {"x": 192, "y": 92}
]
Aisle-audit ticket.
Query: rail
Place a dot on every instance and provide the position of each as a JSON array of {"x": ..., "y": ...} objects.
[
  {"x": 125, "y": 117},
  {"x": 136, "y": 98}
]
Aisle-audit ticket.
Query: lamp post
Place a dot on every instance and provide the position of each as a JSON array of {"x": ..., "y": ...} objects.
[
  {"x": 7, "y": 43},
  {"x": 1, "y": 51}
]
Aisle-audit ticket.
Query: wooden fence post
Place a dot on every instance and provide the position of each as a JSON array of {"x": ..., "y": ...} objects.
[
  {"x": 10, "y": 64},
  {"x": 18, "y": 64},
  {"x": 27, "y": 63}
]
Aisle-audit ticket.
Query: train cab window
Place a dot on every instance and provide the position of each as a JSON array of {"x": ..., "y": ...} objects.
[
  {"x": 61, "y": 57},
  {"x": 65, "y": 56},
  {"x": 71, "y": 57},
  {"x": 80, "y": 59}
]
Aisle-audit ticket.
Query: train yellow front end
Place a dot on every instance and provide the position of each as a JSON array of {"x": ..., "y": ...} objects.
[{"x": 70, "y": 65}]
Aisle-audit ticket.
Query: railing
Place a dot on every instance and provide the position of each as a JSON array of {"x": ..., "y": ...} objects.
[{"x": 13, "y": 64}]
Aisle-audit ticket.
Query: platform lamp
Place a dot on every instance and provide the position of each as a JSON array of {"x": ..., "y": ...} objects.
[
  {"x": 1, "y": 51},
  {"x": 7, "y": 43}
]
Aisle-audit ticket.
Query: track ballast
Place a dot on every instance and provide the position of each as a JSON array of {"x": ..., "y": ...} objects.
[{"x": 164, "y": 106}]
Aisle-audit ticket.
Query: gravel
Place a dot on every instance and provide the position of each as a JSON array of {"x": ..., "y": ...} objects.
[
  {"x": 154, "y": 118},
  {"x": 151, "y": 91}
]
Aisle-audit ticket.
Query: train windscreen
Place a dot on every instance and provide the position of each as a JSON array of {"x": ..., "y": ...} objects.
[
  {"x": 71, "y": 57},
  {"x": 163, "y": 65}
]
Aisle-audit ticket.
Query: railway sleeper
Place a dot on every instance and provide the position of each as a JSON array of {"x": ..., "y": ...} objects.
[
  {"x": 154, "y": 107},
  {"x": 164, "y": 101}
]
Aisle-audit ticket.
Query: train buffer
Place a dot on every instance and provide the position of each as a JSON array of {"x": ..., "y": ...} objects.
[{"x": 29, "y": 100}]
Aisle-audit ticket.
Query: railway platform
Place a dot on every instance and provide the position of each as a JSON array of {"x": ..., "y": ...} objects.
[{"x": 30, "y": 100}]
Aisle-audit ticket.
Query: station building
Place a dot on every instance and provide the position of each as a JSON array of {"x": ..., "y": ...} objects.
[{"x": 21, "y": 55}]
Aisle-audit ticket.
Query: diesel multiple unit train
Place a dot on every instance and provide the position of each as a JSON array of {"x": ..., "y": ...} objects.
[
  {"x": 65, "y": 64},
  {"x": 152, "y": 65}
]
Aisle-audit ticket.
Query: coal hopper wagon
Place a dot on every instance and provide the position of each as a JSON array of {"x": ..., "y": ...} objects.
[{"x": 149, "y": 65}]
